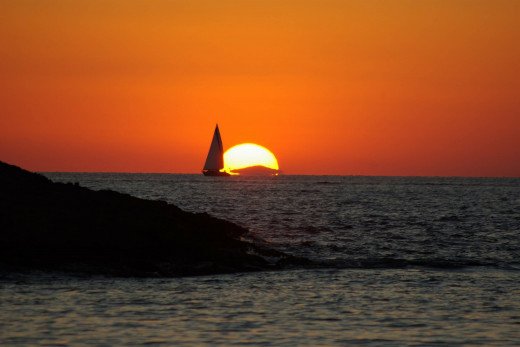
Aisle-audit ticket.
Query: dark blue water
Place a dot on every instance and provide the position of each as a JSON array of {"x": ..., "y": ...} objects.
[
  {"x": 406, "y": 261},
  {"x": 352, "y": 221}
]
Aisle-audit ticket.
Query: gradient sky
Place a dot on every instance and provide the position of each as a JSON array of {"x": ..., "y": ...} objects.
[{"x": 331, "y": 87}]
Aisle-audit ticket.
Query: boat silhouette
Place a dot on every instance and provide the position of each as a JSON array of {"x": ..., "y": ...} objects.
[{"x": 214, "y": 164}]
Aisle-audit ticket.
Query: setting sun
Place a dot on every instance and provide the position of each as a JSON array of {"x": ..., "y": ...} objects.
[{"x": 248, "y": 155}]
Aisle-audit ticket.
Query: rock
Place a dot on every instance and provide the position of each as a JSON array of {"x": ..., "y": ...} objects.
[
  {"x": 257, "y": 170},
  {"x": 65, "y": 227}
]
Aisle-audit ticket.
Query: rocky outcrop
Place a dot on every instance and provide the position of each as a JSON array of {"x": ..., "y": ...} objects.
[
  {"x": 65, "y": 227},
  {"x": 257, "y": 170}
]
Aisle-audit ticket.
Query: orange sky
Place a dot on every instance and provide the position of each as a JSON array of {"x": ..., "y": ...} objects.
[{"x": 331, "y": 87}]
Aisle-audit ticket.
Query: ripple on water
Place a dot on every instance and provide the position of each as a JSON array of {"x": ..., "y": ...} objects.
[{"x": 313, "y": 307}]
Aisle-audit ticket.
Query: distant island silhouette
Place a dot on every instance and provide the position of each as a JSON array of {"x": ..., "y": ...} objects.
[
  {"x": 65, "y": 227},
  {"x": 257, "y": 170}
]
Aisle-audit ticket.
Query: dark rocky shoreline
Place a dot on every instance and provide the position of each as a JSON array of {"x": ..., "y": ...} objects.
[{"x": 48, "y": 226}]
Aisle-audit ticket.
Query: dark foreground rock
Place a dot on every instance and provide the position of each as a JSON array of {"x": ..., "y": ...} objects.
[{"x": 64, "y": 227}]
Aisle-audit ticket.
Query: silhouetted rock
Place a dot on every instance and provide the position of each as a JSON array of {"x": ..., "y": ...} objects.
[
  {"x": 257, "y": 170},
  {"x": 56, "y": 226}
]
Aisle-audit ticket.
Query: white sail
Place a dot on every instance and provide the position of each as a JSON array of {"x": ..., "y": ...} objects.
[{"x": 215, "y": 159}]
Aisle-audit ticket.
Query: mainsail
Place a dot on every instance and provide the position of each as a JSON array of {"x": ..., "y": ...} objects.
[{"x": 215, "y": 159}]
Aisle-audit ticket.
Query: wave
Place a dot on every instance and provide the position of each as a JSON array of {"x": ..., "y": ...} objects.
[{"x": 396, "y": 263}]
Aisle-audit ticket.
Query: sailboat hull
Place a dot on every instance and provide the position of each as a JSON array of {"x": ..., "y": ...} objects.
[{"x": 215, "y": 173}]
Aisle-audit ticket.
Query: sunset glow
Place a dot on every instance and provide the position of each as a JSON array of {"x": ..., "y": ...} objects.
[
  {"x": 247, "y": 155},
  {"x": 359, "y": 87}
]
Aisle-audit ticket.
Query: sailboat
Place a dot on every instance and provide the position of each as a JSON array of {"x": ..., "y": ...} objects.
[{"x": 215, "y": 160}]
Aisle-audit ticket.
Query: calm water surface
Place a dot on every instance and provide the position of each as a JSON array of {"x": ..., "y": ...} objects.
[{"x": 407, "y": 261}]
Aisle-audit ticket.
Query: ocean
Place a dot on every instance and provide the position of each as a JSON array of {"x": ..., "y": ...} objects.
[{"x": 399, "y": 261}]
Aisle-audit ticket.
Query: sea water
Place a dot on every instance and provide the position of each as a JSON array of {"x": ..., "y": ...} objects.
[{"x": 403, "y": 261}]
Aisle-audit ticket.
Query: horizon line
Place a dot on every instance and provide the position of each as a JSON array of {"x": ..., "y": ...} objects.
[{"x": 282, "y": 174}]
